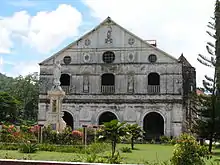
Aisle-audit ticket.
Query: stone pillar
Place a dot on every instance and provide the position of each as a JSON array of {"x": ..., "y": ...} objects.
[
  {"x": 55, "y": 113},
  {"x": 56, "y": 95},
  {"x": 168, "y": 123}
]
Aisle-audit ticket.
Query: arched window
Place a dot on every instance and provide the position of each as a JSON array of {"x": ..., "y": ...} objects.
[
  {"x": 153, "y": 83},
  {"x": 65, "y": 82},
  {"x": 108, "y": 83}
]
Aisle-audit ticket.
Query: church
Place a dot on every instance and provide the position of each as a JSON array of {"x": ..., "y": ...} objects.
[{"x": 110, "y": 73}]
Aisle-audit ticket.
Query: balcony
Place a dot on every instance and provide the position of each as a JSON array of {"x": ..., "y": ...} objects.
[
  {"x": 108, "y": 89},
  {"x": 66, "y": 89},
  {"x": 153, "y": 89}
]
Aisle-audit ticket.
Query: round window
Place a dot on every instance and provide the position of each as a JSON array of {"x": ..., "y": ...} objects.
[
  {"x": 108, "y": 57},
  {"x": 67, "y": 60},
  {"x": 131, "y": 41},
  {"x": 87, "y": 42},
  {"x": 152, "y": 58}
]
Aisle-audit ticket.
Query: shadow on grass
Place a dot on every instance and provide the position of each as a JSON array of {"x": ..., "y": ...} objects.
[
  {"x": 136, "y": 149},
  {"x": 216, "y": 154}
]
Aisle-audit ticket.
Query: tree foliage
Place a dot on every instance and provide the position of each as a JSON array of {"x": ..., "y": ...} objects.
[
  {"x": 135, "y": 132},
  {"x": 8, "y": 108},
  {"x": 25, "y": 89},
  {"x": 113, "y": 131},
  {"x": 188, "y": 152},
  {"x": 208, "y": 111}
]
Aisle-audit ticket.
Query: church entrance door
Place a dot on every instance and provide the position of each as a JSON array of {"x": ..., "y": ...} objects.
[
  {"x": 68, "y": 118},
  {"x": 153, "y": 125}
]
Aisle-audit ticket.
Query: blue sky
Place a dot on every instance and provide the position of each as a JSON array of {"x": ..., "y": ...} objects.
[{"x": 32, "y": 30}]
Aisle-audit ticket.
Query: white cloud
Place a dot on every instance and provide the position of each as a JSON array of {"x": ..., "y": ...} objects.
[
  {"x": 44, "y": 31},
  {"x": 5, "y": 42},
  {"x": 22, "y": 68},
  {"x": 178, "y": 26}
]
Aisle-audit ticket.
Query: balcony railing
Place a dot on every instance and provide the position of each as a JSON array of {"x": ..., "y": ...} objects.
[
  {"x": 108, "y": 89},
  {"x": 66, "y": 89},
  {"x": 153, "y": 89}
]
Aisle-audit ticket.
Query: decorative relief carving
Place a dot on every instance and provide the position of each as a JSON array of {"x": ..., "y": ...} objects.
[
  {"x": 109, "y": 68},
  {"x": 131, "y": 56},
  {"x": 84, "y": 114},
  {"x": 169, "y": 107},
  {"x": 130, "y": 115},
  {"x": 86, "y": 57},
  {"x": 131, "y": 41}
]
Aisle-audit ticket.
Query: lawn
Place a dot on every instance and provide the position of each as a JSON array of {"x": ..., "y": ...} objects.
[{"x": 143, "y": 152}]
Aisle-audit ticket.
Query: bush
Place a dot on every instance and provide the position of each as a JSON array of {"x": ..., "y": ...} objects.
[
  {"x": 98, "y": 148},
  {"x": 67, "y": 137},
  {"x": 153, "y": 141},
  {"x": 164, "y": 139},
  {"x": 173, "y": 141},
  {"x": 61, "y": 148},
  {"x": 188, "y": 152},
  {"x": 126, "y": 149},
  {"x": 9, "y": 146},
  {"x": 28, "y": 147}
]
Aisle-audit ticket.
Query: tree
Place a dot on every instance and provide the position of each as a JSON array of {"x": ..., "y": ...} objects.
[
  {"x": 8, "y": 108},
  {"x": 210, "y": 104},
  {"x": 113, "y": 131},
  {"x": 135, "y": 132},
  {"x": 26, "y": 90}
]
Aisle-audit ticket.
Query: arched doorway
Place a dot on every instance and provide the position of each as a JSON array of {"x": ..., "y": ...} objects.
[
  {"x": 106, "y": 117},
  {"x": 68, "y": 118},
  {"x": 153, "y": 125}
]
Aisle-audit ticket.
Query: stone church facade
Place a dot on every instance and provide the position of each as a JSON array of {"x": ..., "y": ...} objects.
[{"x": 110, "y": 73}]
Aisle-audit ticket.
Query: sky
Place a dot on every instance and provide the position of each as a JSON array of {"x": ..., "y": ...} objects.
[{"x": 32, "y": 30}]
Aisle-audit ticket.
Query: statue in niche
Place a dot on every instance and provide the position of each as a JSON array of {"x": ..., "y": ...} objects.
[
  {"x": 85, "y": 84},
  {"x": 57, "y": 74},
  {"x": 130, "y": 83},
  {"x": 54, "y": 106},
  {"x": 109, "y": 39}
]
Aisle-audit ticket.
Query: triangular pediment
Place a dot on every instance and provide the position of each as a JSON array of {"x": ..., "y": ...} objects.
[{"x": 107, "y": 35}]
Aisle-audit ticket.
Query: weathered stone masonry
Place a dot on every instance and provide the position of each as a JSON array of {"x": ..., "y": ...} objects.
[{"x": 111, "y": 73}]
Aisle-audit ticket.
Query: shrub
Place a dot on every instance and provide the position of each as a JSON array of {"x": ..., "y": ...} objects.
[
  {"x": 66, "y": 137},
  {"x": 28, "y": 147},
  {"x": 152, "y": 141},
  {"x": 9, "y": 146},
  {"x": 164, "y": 139},
  {"x": 126, "y": 149},
  {"x": 97, "y": 148},
  {"x": 61, "y": 148},
  {"x": 173, "y": 141},
  {"x": 188, "y": 152},
  {"x": 7, "y": 133}
]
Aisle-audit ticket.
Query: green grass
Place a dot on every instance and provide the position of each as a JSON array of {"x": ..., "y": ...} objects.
[
  {"x": 143, "y": 152},
  {"x": 147, "y": 152}
]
